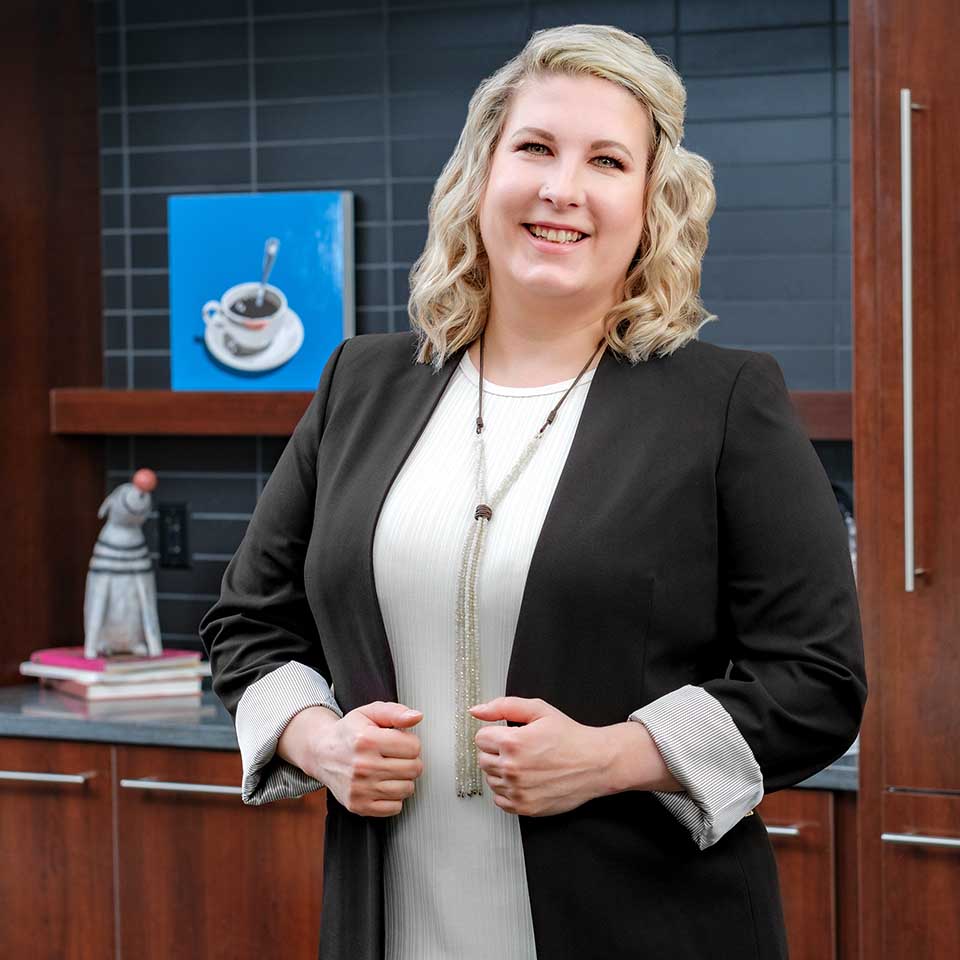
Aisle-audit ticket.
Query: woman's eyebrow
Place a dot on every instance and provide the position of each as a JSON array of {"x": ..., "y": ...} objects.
[{"x": 596, "y": 145}]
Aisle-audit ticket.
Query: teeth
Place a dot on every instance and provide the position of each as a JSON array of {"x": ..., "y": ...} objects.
[{"x": 557, "y": 236}]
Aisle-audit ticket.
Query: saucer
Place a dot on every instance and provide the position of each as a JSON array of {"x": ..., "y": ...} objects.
[{"x": 288, "y": 340}]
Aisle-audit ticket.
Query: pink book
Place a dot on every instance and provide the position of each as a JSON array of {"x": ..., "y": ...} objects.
[{"x": 73, "y": 657}]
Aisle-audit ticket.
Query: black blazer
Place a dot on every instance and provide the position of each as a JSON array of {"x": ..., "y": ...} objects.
[{"x": 693, "y": 538}]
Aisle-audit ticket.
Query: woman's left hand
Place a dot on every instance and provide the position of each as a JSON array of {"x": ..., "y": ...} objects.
[{"x": 550, "y": 765}]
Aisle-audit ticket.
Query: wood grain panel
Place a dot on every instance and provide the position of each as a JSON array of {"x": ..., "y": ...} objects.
[
  {"x": 204, "y": 875},
  {"x": 56, "y": 852}
]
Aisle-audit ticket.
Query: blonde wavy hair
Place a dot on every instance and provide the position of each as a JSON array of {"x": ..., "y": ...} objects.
[{"x": 661, "y": 308}]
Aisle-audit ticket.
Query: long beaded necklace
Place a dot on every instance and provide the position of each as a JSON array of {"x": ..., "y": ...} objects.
[{"x": 469, "y": 779}]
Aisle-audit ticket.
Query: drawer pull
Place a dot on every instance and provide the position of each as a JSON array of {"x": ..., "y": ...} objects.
[
  {"x": 47, "y": 777},
  {"x": 783, "y": 831},
  {"x": 146, "y": 783},
  {"x": 918, "y": 839}
]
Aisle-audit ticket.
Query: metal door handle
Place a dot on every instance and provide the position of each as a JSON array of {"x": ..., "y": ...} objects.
[
  {"x": 792, "y": 831},
  {"x": 172, "y": 786},
  {"x": 37, "y": 777},
  {"x": 919, "y": 840}
]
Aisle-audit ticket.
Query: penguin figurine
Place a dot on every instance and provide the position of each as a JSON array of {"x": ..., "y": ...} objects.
[{"x": 120, "y": 604}]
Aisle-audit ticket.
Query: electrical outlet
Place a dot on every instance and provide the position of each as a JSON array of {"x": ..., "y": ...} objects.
[{"x": 172, "y": 535}]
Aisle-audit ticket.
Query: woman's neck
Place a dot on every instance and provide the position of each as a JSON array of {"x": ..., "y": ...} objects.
[{"x": 515, "y": 357}]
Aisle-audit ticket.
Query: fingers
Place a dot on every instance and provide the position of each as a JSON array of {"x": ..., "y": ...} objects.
[{"x": 389, "y": 714}]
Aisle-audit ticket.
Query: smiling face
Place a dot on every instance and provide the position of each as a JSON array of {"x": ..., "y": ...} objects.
[{"x": 555, "y": 164}]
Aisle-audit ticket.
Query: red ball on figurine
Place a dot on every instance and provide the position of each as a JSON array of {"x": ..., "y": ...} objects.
[{"x": 145, "y": 480}]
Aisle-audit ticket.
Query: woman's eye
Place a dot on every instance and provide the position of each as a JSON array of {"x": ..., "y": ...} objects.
[{"x": 614, "y": 162}]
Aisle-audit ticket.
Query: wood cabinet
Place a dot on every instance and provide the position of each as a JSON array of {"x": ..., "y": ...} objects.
[
  {"x": 905, "y": 111},
  {"x": 151, "y": 847}
]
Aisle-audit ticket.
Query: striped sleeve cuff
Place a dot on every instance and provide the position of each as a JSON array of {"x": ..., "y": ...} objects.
[
  {"x": 708, "y": 756},
  {"x": 264, "y": 710}
]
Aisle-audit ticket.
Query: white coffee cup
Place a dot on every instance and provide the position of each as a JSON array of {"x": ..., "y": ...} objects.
[{"x": 251, "y": 333}]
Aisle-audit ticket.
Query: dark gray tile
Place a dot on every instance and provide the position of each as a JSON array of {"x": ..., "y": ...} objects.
[
  {"x": 841, "y": 231},
  {"x": 208, "y": 125},
  {"x": 776, "y": 95},
  {"x": 843, "y": 47},
  {"x": 369, "y": 201},
  {"x": 115, "y": 373},
  {"x": 328, "y": 161},
  {"x": 651, "y": 16},
  {"x": 843, "y": 138},
  {"x": 330, "y": 118},
  {"x": 116, "y": 457},
  {"x": 401, "y": 286},
  {"x": 112, "y": 252},
  {"x": 202, "y": 576},
  {"x": 842, "y": 270},
  {"x": 263, "y": 8},
  {"x": 401, "y": 318},
  {"x": 182, "y": 616},
  {"x": 201, "y": 454},
  {"x": 411, "y": 201},
  {"x": 151, "y": 373},
  {"x": 756, "y": 51},
  {"x": 423, "y": 157},
  {"x": 427, "y": 114},
  {"x": 152, "y": 332},
  {"x": 216, "y": 536},
  {"x": 842, "y": 171},
  {"x": 115, "y": 333},
  {"x": 149, "y": 250},
  {"x": 109, "y": 89},
  {"x": 332, "y": 76},
  {"x": 766, "y": 278},
  {"x": 446, "y": 70},
  {"x": 105, "y": 14},
  {"x": 111, "y": 210},
  {"x": 318, "y": 36},
  {"x": 233, "y": 495},
  {"x": 766, "y": 141},
  {"x": 206, "y": 43},
  {"x": 376, "y": 322},
  {"x": 370, "y": 244},
  {"x": 149, "y": 11},
  {"x": 772, "y": 231},
  {"x": 270, "y": 450},
  {"x": 111, "y": 132},
  {"x": 111, "y": 171},
  {"x": 797, "y": 323},
  {"x": 458, "y": 27},
  {"x": 842, "y": 325},
  {"x": 150, "y": 293},
  {"x": 843, "y": 10},
  {"x": 732, "y": 14},
  {"x": 108, "y": 49},
  {"x": 837, "y": 459},
  {"x": 843, "y": 369},
  {"x": 408, "y": 242},
  {"x": 114, "y": 293},
  {"x": 843, "y": 92},
  {"x": 371, "y": 287},
  {"x": 187, "y": 84},
  {"x": 773, "y": 185},
  {"x": 188, "y": 167},
  {"x": 806, "y": 369},
  {"x": 149, "y": 209}
]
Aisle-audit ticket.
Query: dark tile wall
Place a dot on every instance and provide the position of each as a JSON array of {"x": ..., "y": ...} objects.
[{"x": 237, "y": 95}]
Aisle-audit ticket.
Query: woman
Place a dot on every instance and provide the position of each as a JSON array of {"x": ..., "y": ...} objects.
[{"x": 547, "y": 592}]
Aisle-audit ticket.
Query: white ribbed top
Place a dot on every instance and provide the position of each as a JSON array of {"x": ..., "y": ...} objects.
[{"x": 454, "y": 878}]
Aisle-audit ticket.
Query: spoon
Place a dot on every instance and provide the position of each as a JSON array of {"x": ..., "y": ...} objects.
[{"x": 269, "y": 255}]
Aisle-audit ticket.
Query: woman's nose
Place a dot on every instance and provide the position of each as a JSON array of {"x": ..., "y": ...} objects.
[{"x": 563, "y": 187}]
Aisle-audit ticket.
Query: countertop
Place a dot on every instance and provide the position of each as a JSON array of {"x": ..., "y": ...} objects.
[{"x": 29, "y": 710}]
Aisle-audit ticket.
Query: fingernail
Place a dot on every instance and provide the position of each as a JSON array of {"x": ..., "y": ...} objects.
[{"x": 410, "y": 714}]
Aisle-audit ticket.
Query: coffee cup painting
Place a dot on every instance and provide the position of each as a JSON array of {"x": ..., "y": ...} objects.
[{"x": 261, "y": 288}]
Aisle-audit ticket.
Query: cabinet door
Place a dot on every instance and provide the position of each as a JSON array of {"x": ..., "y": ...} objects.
[
  {"x": 921, "y": 876},
  {"x": 204, "y": 875},
  {"x": 800, "y": 824},
  {"x": 56, "y": 850}
]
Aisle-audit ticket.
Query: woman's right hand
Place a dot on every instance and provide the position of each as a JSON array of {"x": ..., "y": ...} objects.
[{"x": 365, "y": 761}]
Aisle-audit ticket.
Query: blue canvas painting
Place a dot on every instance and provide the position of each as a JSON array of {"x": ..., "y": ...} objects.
[{"x": 230, "y": 330}]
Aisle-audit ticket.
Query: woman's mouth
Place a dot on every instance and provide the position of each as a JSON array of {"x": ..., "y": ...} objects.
[{"x": 552, "y": 238}]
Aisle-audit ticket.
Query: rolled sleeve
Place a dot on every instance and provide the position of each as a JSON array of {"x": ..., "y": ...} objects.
[
  {"x": 264, "y": 711},
  {"x": 708, "y": 756}
]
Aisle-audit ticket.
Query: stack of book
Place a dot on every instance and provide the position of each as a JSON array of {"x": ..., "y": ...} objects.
[{"x": 174, "y": 673}]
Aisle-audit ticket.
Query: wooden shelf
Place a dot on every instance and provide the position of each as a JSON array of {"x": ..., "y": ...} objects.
[{"x": 827, "y": 415}]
